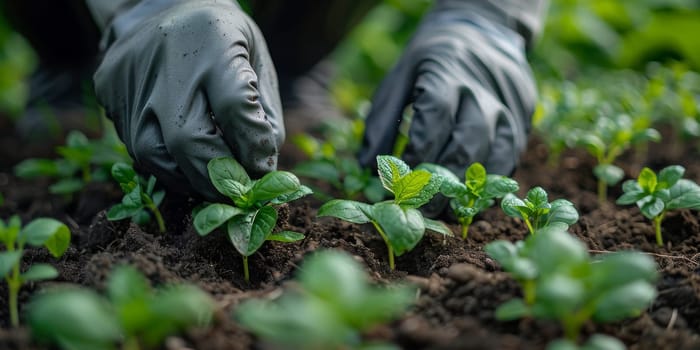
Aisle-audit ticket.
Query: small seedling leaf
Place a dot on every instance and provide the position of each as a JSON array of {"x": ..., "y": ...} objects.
[
  {"x": 121, "y": 211},
  {"x": 647, "y": 180},
  {"x": 628, "y": 300},
  {"x": 274, "y": 184},
  {"x": 410, "y": 186},
  {"x": 213, "y": 216},
  {"x": 437, "y": 226},
  {"x": 608, "y": 173},
  {"x": 351, "y": 211},
  {"x": 512, "y": 206},
  {"x": 391, "y": 169},
  {"x": 669, "y": 175},
  {"x": 303, "y": 191},
  {"x": 66, "y": 186},
  {"x": 286, "y": 236},
  {"x": 7, "y": 261},
  {"x": 31, "y": 168},
  {"x": 51, "y": 233},
  {"x": 403, "y": 227},
  {"x": 684, "y": 194},
  {"x": 39, "y": 272},
  {"x": 158, "y": 198},
  {"x": 512, "y": 310},
  {"x": 538, "y": 197},
  {"x": 123, "y": 172},
  {"x": 223, "y": 171},
  {"x": 651, "y": 207},
  {"x": 249, "y": 231}
]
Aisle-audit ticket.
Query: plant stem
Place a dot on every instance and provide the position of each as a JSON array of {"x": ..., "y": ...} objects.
[
  {"x": 657, "y": 229},
  {"x": 246, "y": 274},
  {"x": 465, "y": 226},
  {"x": 159, "y": 218},
  {"x": 602, "y": 191},
  {"x": 529, "y": 291},
  {"x": 13, "y": 283},
  {"x": 386, "y": 241},
  {"x": 529, "y": 226}
]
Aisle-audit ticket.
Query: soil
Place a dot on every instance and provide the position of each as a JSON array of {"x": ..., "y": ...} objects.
[{"x": 460, "y": 286}]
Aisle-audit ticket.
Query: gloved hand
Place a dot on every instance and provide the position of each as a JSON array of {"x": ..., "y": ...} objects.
[
  {"x": 186, "y": 81},
  {"x": 472, "y": 91}
]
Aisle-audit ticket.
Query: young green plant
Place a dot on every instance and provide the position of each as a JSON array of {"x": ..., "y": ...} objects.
[
  {"x": 81, "y": 161},
  {"x": 331, "y": 308},
  {"x": 133, "y": 314},
  {"x": 475, "y": 194},
  {"x": 656, "y": 195},
  {"x": 41, "y": 232},
  {"x": 537, "y": 212},
  {"x": 252, "y": 217},
  {"x": 608, "y": 139},
  {"x": 140, "y": 197},
  {"x": 561, "y": 281},
  {"x": 399, "y": 222}
]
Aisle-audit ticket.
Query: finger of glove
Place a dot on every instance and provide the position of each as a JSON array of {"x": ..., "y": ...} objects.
[
  {"x": 385, "y": 116},
  {"x": 251, "y": 128},
  {"x": 435, "y": 114}
]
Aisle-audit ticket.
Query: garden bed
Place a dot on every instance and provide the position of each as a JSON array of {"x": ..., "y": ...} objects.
[{"x": 460, "y": 286}]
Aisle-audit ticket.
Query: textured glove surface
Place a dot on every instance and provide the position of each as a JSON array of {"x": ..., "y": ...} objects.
[
  {"x": 192, "y": 82},
  {"x": 471, "y": 91}
]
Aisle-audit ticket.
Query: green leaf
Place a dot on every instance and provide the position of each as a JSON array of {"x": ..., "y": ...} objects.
[
  {"x": 475, "y": 176},
  {"x": 608, "y": 173},
  {"x": 286, "y": 236},
  {"x": 228, "y": 176},
  {"x": 403, "y": 228},
  {"x": 158, "y": 198},
  {"x": 32, "y": 168},
  {"x": 553, "y": 249},
  {"x": 351, "y": 211},
  {"x": 274, "y": 184},
  {"x": 684, "y": 194},
  {"x": 669, "y": 175},
  {"x": 603, "y": 342},
  {"x": 51, "y": 233},
  {"x": 39, "y": 272},
  {"x": 651, "y": 207},
  {"x": 249, "y": 231},
  {"x": 558, "y": 296},
  {"x": 437, "y": 226},
  {"x": 498, "y": 186},
  {"x": 626, "y": 301},
  {"x": 213, "y": 216},
  {"x": 303, "y": 191},
  {"x": 8, "y": 260},
  {"x": 630, "y": 197},
  {"x": 126, "y": 284},
  {"x": 647, "y": 180},
  {"x": 512, "y": 205},
  {"x": 75, "y": 319},
  {"x": 151, "y": 184},
  {"x": 391, "y": 169},
  {"x": 410, "y": 185},
  {"x": 123, "y": 172},
  {"x": 562, "y": 211},
  {"x": 320, "y": 170},
  {"x": 67, "y": 186},
  {"x": 512, "y": 310},
  {"x": 538, "y": 197},
  {"x": 180, "y": 307},
  {"x": 619, "y": 268},
  {"x": 121, "y": 212}
]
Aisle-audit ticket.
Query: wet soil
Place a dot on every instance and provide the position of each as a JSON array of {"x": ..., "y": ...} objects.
[{"x": 460, "y": 286}]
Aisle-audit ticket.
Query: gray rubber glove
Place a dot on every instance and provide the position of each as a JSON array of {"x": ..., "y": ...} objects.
[
  {"x": 470, "y": 86},
  {"x": 186, "y": 81}
]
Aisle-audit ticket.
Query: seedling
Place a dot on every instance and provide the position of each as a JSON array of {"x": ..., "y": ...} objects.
[
  {"x": 342, "y": 172},
  {"x": 331, "y": 308},
  {"x": 475, "y": 194},
  {"x": 41, "y": 232},
  {"x": 608, "y": 139},
  {"x": 133, "y": 314},
  {"x": 561, "y": 281},
  {"x": 657, "y": 195},
  {"x": 537, "y": 212},
  {"x": 250, "y": 222},
  {"x": 399, "y": 222},
  {"x": 595, "y": 342},
  {"x": 82, "y": 161},
  {"x": 140, "y": 197}
]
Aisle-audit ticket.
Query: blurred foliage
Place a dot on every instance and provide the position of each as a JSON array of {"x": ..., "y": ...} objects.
[{"x": 16, "y": 63}]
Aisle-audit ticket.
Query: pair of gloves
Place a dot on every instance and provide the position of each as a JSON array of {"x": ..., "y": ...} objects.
[{"x": 186, "y": 81}]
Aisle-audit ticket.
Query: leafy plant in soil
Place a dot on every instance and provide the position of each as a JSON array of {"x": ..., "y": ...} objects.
[
  {"x": 342, "y": 172},
  {"x": 399, "y": 222},
  {"x": 252, "y": 218},
  {"x": 133, "y": 314},
  {"x": 41, "y": 232},
  {"x": 332, "y": 306},
  {"x": 82, "y": 161},
  {"x": 537, "y": 212},
  {"x": 656, "y": 195},
  {"x": 560, "y": 281},
  {"x": 475, "y": 194},
  {"x": 607, "y": 139},
  {"x": 140, "y": 197}
]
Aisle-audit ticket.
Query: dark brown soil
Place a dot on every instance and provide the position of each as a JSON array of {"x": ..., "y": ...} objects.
[{"x": 460, "y": 287}]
